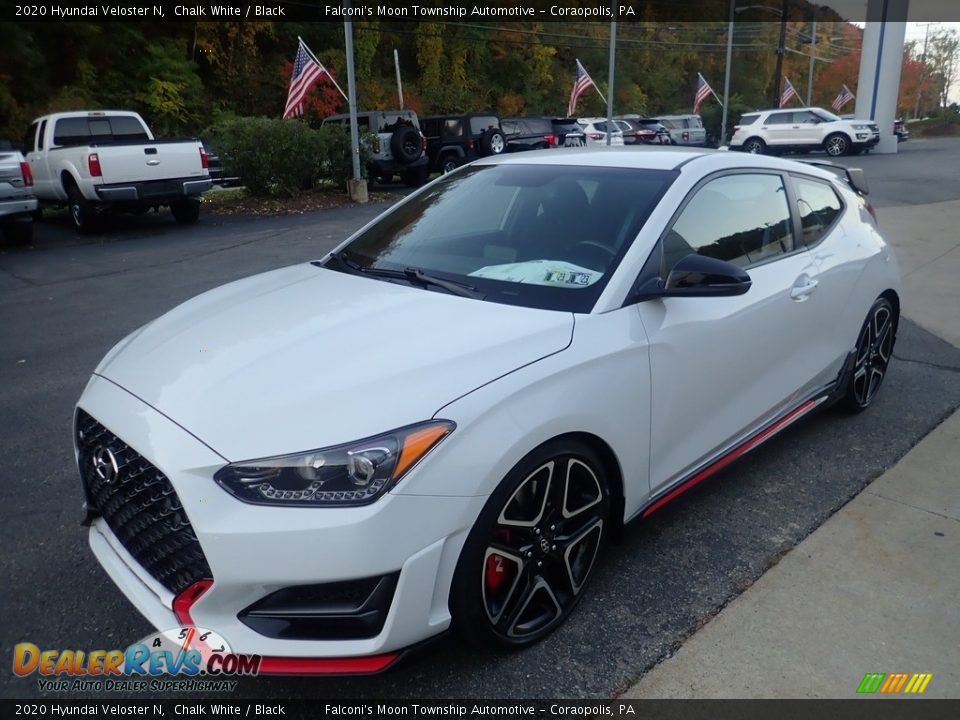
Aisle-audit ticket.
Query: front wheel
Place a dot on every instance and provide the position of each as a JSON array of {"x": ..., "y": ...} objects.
[
  {"x": 533, "y": 549},
  {"x": 185, "y": 212},
  {"x": 872, "y": 356},
  {"x": 837, "y": 145}
]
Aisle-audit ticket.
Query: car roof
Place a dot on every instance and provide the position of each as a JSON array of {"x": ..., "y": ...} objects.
[{"x": 654, "y": 158}]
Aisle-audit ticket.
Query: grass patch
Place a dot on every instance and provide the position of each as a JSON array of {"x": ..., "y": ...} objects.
[
  {"x": 936, "y": 127},
  {"x": 238, "y": 202}
]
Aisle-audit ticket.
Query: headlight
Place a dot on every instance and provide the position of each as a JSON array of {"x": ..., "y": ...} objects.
[
  {"x": 355, "y": 473},
  {"x": 861, "y": 127}
]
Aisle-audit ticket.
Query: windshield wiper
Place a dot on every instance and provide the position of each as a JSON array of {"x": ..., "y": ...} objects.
[
  {"x": 412, "y": 275},
  {"x": 416, "y": 275}
]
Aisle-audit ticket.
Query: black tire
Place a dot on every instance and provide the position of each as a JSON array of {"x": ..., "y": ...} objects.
[
  {"x": 449, "y": 163},
  {"x": 415, "y": 177},
  {"x": 528, "y": 558},
  {"x": 18, "y": 232},
  {"x": 185, "y": 212},
  {"x": 82, "y": 212},
  {"x": 837, "y": 145},
  {"x": 492, "y": 142},
  {"x": 755, "y": 146},
  {"x": 405, "y": 144},
  {"x": 872, "y": 355}
]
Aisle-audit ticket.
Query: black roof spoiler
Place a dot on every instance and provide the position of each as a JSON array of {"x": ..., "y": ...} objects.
[{"x": 855, "y": 177}]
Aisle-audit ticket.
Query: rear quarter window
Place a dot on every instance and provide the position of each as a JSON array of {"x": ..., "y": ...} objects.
[
  {"x": 748, "y": 119},
  {"x": 819, "y": 206}
]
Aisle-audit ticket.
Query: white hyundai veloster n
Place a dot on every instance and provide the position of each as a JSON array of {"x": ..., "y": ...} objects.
[{"x": 440, "y": 422}]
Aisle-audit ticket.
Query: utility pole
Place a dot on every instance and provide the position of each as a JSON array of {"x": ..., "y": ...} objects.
[
  {"x": 813, "y": 57},
  {"x": 357, "y": 187},
  {"x": 726, "y": 74},
  {"x": 610, "y": 71},
  {"x": 923, "y": 72},
  {"x": 780, "y": 53}
]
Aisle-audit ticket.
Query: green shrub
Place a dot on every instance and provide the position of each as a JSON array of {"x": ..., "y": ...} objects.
[{"x": 282, "y": 158}]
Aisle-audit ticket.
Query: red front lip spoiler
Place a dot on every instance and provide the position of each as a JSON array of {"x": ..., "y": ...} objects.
[{"x": 366, "y": 665}]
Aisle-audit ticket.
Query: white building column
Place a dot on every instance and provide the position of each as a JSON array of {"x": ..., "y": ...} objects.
[{"x": 880, "y": 63}]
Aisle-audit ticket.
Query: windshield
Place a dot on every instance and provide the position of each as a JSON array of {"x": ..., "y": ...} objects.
[{"x": 543, "y": 236}]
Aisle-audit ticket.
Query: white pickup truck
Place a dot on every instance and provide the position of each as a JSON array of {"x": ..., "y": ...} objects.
[{"x": 104, "y": 161}]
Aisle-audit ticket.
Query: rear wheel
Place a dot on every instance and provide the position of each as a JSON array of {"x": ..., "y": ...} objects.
[
  {"x": 185, "y": 212},
  {"x": 533, "y": 549},
  {"x": 449, "y": 163},
  {"x": 755, "y": 146},
  {"x": 82, "y": 213},
  {"x": 872, "y": 356}
]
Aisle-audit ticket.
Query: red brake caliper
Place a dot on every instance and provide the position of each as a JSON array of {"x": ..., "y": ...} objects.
[{"x": 495, "y": 572}]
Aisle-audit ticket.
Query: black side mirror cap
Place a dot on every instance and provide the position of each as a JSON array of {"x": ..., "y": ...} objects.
[{"x": 695, "y": 276}]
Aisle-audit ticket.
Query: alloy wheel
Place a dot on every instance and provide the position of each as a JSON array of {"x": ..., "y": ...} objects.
[
  {"x": 542, "y": 548},
  {"x": 874, "y": 349},
  {"x": 754, "y": 147},
  {"x": 836, "y": 146}
]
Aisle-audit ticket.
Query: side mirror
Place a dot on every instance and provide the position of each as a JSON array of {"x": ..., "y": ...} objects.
[{"x": 696, "y": 276}]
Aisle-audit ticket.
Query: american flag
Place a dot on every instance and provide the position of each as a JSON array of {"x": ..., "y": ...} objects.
[
  {"x": 788, "y": 92},
  {"x": 306, "y": 71},
  {"x": 843, "y": 98},
  {"x": 703, "y": 92},
  {"x": 581, "y": 81}
]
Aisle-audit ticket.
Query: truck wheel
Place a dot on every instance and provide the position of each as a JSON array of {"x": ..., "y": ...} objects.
[
  {"x": 18, "y": 232},
  {"x": 82, "y": 213},
  {"x": 185, "y": 212},
  {"x": 448, "y": 163}
]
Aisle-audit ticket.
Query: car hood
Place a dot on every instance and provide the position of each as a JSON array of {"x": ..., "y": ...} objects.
[{"x": 304, "y": 357}]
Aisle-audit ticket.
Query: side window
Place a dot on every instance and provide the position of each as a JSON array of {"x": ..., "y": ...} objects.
[
  {"x": 453, "y": 128},
  {"x": 819, "y": 208},
  {"x": 780, "y": 118},
  {"x": 43, "y": 131},
  {"x": 743, "y": 219},
  {"x": 804, "y": 116}
]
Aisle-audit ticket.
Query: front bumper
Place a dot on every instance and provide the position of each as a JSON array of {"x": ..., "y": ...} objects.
[{"x": 255, "y": 551}]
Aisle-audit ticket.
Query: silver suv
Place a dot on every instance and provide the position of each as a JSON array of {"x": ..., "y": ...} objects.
[
  {"x": 17, "y": 203},
  {"x": 397, "y": 146},
  {"x": 803, "y": 130}
]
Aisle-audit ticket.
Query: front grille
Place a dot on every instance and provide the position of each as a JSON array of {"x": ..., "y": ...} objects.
[{"x": 140, "y": 506}]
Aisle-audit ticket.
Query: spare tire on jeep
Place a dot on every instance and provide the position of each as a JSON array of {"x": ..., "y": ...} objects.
[
  {"x": 492, "y": 142},
  {"x": 405, "y": 144}
]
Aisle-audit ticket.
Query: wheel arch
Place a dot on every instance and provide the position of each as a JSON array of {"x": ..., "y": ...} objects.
[
  {"x": 894, "y": 298},
  {"x": 611, "y": 465}
]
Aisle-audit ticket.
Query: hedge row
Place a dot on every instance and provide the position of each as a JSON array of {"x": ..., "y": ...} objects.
[{"x": 283, "y": 158}]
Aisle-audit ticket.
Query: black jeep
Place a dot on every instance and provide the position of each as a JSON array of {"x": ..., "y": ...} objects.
[{"x": 453, "y": 140}]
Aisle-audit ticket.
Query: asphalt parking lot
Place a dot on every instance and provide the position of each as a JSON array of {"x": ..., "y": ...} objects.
[{"x": 65, "y": 301}]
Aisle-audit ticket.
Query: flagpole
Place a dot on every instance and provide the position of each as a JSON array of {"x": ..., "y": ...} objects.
[
  {"x": 314, "y": 58},
  {"x": 610, "y": 73}
]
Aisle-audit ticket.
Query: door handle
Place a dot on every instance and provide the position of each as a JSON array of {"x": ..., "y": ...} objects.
[{"x": 803, "y": 287}]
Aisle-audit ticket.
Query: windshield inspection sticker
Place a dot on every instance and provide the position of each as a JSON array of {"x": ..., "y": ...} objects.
[{"x": 541, "y": 272}]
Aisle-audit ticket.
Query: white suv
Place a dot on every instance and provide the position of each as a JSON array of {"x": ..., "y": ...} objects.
[
  {"x": 596, "y": 131},
  {"x": 803, "y": 130}
]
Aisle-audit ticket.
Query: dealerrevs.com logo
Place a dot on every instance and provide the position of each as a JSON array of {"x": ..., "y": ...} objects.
[{"x": 188, "y": 659}]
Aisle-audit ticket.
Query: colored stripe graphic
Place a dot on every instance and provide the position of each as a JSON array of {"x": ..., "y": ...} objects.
[
  {"x": 871, "y": 682},
  {"x": 894, "y": 683}
]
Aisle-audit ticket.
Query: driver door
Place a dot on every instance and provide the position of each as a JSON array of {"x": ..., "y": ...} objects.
[{"x": 722, "y": 367}]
